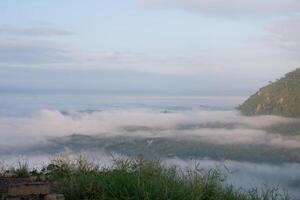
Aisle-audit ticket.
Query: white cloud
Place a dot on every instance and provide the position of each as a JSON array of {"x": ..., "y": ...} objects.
[{"x": 141, "y": 123}]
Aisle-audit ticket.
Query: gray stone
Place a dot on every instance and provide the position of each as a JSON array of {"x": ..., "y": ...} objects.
[{"x": 54, "y": 197}]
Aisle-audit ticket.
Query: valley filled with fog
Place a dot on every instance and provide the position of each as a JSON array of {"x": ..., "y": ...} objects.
[{"x": 186, "y": 131}]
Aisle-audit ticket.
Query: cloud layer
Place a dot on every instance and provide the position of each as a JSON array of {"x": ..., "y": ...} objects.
[{"x": 211, "y": 127}]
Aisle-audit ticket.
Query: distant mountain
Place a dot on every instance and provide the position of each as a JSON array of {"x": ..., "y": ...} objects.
[{"x": 281, "y": 97}]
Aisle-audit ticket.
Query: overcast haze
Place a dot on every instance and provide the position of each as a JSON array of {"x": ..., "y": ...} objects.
[{"x": 211, "y": 47}]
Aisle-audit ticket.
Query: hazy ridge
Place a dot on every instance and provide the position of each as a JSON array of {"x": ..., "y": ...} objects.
[{"x": 281, "y": 97}]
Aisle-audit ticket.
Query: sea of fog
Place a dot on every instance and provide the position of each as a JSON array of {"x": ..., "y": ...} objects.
[{"x": 187, "y": 131}]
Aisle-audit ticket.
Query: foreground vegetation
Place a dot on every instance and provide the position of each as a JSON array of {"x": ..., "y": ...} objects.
[{"x": 138, "y": 179}]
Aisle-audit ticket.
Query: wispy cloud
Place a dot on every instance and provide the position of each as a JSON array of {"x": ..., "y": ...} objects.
[
  {"x": 33, "y": 31},
  {"x": 219, "y": 62},
  {"x": 49, "y": 54},
  {"x": 30, "y": 52},
  {"x": 212, "y": 67},
  {"x": 229, "y": 7},
  {"x": 285, "y": 34}
]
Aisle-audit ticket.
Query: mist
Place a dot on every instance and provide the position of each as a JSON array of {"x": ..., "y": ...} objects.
[{"x": 215, "y": 127}]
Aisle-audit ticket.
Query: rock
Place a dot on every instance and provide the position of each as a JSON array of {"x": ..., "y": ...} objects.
[
  {"x": 13, "y": 198},
  {"x": 23, "y": 189},
  {"x": 54, "y": 197}
]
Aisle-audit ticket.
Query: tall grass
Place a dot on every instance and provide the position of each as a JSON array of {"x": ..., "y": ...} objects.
[
  {"x": 138, "y": 179},
  {"x": 21, "y": 170}
]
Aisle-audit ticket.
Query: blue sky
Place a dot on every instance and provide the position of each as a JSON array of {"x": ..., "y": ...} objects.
[{"x": 230, "y": 46}]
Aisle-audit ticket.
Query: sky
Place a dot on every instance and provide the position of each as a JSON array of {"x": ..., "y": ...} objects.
[{"x": 214, "y": 47}]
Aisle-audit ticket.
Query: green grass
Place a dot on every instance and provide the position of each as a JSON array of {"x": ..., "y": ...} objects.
[{"x": 139, "y": 179}]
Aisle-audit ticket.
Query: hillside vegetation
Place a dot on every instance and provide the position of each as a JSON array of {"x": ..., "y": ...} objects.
[{"x": 281, "y": 97}]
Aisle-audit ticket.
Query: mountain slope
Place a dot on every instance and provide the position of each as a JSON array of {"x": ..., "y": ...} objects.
[{"x": 278, "y": 98}]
